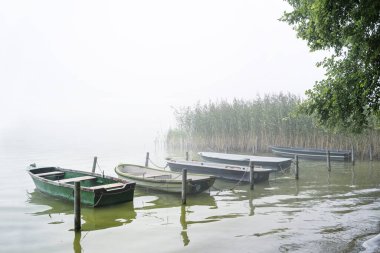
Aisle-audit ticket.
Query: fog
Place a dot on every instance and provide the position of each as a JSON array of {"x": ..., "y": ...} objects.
[{"x": 84, "y": 70}]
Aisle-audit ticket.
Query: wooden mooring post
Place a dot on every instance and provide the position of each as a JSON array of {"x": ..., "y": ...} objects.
[
  {"x": 77, "y": 206},
  {"x": 251, "y": 175},
  {"x": 94, "y": 164},
  {"x": 328, "y": 160},
  {"x": 296, "y": 162},
  {"x": 147, "y": 159},
  {"x": 187, "y": 155},
  {"x": 352, "y": 155},
  {"x": 184, "y": 186},
  {"x": 370, "y": 152}
]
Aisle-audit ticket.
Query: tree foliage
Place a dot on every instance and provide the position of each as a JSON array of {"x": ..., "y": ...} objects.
[{"x": 348, "y": 98}]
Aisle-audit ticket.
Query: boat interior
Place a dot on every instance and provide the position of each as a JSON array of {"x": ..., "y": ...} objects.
[
  {"x": 147, "y": 173},
  {"x": 70, "y": 177}
]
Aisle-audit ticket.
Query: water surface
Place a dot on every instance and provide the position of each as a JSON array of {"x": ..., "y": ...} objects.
[{"x": 321, "y": 212}]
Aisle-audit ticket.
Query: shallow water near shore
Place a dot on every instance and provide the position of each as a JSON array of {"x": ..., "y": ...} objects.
[{"x": 321, "y": 212}]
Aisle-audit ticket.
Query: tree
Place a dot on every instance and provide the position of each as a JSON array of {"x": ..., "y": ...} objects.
[{"x": 348, "y": 99}]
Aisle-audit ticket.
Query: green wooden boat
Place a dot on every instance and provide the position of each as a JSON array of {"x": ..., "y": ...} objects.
[
  {"x": 96, "y": 190},
  {"x": 165, "y": 181}
]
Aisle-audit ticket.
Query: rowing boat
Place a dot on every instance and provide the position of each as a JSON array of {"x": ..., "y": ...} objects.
[
  {"x": 223, "y": 171},
  {"x": 309, "y": 153},
  {"x": 165, "y": 181},
  {"x": 96, "y": 190}
]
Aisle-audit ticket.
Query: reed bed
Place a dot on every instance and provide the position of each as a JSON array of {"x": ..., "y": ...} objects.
[{"x": 253, "y": 126}]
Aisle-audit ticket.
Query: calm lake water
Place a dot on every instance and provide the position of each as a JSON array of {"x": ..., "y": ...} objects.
[{"x": 321, "y": 212}]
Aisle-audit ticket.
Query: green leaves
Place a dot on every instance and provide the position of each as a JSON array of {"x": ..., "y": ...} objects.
[{"x": 349, "y": 98}]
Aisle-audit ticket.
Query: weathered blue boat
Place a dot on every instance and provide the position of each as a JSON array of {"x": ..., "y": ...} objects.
[
  {"x": 244, "y": 160},
  {"x": 223, "y": 171},
  {"x": 309, "y": 153}
]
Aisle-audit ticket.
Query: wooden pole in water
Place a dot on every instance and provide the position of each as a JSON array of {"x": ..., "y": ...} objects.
[
  {"x": 77, "y": 221},
  {"x": 94, "y": 164},
  {"x": 352, "y": 155},
  {"x": 251, "y": 175},
  {"x": 147, "y": 159},
  {"x": 187, "y": 155},
  {"x": 184, "y": 186},
  {"x": 328, "y": 160},
  {"x": 297, "y": 169},
  {"x": 370, "y": 152}
]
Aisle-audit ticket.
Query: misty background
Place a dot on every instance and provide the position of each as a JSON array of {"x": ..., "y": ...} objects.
[{"x": 98, "y": 73}]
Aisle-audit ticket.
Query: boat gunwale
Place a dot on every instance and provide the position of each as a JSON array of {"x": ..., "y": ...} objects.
[
  {"x": 166, "y": 181},
  {"x": 314, "y": 150},
  {"x": 243, "y": 158},
  {"x": 219, "y": 166},
  {"x": 310, "y": 155},
  {"x": 83, "y": 188}
]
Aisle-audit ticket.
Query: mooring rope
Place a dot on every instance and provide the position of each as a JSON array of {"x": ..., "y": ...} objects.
[
  {"x": 238, "y": 183},
  {"x": 232, "y": 188},
  {"x": 97, "y": 202},
  {"x": 282, "y": 170},
  {"x": 161, "y": 167},
  {"x": 84, "y": 236},
  {"x": 101, "y": 171}
]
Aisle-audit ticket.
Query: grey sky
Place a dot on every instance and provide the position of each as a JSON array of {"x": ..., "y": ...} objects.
[{"x": 109, "y": 63}]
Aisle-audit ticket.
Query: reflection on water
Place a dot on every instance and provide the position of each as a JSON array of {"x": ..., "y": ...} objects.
[
  {"x": 154, "y": 200},
  {"x": 76, "y": 244},
  {"x": 93, "y": 218},
  {"x": 323, "y": 211},
  {"x": 250, "y": 202},
  {"x": 183, "y": 222}
]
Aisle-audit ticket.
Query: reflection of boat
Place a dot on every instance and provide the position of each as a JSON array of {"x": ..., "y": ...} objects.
[
  {"x": 94, "y": 219},
  {"x": 224, "y": 171},
  {"x": 162, "y": 200},
  {"x": 166, "y": 181},
  {"x": 77, "y": 247},
  {"x": 96, "y": 190},
  {"x": 244, "y": 160},
  {"x": 308, "y": 153}
]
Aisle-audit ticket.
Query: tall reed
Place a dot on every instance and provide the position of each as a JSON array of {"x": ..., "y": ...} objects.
[{"x": 255, "y": 125}]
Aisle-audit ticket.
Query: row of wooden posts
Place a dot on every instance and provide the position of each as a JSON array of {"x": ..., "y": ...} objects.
[
  {"x": 77, "y": 203},
  {"x": 328, "y": 160},
  {"x": 77, "y": 197}
]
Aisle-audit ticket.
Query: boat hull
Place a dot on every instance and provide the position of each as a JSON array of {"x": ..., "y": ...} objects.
[
  {"x": 91, "y": 197},
  {"x": 173, "y": 185},
  {"x": 227, "y": 172},
  {"x": 312, "y": 154}
]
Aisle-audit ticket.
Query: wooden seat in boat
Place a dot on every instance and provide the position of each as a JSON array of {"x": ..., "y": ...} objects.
[
  {"x": 51, "y": 173},
  {"x": 76, "y": 179},
  {"x": 106, "y": 186},
  {"x": 160, "y": 176}
]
